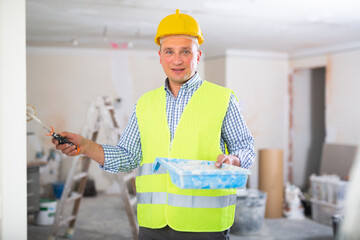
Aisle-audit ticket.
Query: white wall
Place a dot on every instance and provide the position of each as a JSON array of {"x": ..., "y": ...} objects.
[
  {"x": 260, "y": 83},
  {"x": 342, "y": 94},
  {"x": 144, "y": 68},
  {"x": 343, "y": 98},
  {"x": 215, "y": 70},
  {"x": 13, "y": 209}
]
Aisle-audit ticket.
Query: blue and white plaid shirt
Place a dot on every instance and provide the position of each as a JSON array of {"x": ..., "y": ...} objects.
[{"x": 127, "y": 154}]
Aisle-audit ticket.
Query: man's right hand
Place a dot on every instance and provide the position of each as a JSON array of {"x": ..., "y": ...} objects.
[
  {"x": 71, "y": 150},
  {"x": 86, "y": 146}
]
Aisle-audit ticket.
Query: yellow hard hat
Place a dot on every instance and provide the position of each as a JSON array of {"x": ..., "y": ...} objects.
[{"x": 179, "y": 23}]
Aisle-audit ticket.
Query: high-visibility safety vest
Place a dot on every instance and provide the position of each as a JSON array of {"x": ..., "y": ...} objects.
[{"x": 197, "y": 137}]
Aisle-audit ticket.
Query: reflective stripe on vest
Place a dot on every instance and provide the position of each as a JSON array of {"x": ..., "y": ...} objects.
[
  {"x": 151, "y": 198},
  {"x": 186, "y": 201}
]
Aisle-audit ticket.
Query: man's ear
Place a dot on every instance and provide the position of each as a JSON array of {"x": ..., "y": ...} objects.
[
  {"x": 198, "y": 56},
  {"x": 159, "y": 56}
]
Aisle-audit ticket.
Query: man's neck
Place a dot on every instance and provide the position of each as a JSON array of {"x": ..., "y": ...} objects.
[{"x": 174, "y": 87}]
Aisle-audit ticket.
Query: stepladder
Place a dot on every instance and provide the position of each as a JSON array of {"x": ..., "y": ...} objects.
[{"x": 101, "y": 117}]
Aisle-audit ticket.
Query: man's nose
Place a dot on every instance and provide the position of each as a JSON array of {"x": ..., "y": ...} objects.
[{"x": 178, "y": 58}]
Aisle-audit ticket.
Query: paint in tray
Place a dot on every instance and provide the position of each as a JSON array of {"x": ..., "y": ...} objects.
[{"x": 199, "y": 174}]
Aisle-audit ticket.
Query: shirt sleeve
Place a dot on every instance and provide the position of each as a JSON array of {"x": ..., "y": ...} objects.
[
  {"x": 126, "y": 155},
  {"x": 236, "y": 135}
]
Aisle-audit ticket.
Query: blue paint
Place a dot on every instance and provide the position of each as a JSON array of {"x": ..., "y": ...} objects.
[{"x": 198, "y": 174}]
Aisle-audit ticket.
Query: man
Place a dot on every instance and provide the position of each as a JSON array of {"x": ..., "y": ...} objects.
[{"x": 190, "y": 119}]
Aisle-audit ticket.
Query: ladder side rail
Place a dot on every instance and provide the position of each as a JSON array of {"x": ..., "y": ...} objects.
[
  {"x": 67, "y": 189},
  {"x": 128, "y": 206},
  {"x": 91, "y": 126},
  {"x": 91, "y": 132},
  {"x": 86, "y": 162}
]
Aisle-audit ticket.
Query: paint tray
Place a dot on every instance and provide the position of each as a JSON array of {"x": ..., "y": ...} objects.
[{"x": 198, "y": 174}]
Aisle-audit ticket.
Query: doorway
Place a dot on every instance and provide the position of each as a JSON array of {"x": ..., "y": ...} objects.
[{"x": 307, "y": 129}]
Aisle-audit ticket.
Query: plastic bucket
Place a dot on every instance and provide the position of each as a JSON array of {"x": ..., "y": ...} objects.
[
  {"x": 46, "y": 215},
  {"x": 58, "y": 188},
  {"x": 249, "y": 213}
]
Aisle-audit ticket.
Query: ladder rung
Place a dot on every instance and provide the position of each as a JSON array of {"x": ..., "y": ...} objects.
[
  {"x": 80, "y": 175},
  {"x": 74, "y": 196},
  {"x": 133, "y": 201},
  {"x": 128, "y": 177},
  {"x": 65, "y": 221}
]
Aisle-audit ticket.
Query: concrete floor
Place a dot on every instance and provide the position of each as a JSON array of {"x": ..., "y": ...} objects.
[{"x": 104, "y": 218}]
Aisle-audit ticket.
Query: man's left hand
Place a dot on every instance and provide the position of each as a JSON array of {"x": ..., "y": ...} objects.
[{"x": 228, "y": 159}]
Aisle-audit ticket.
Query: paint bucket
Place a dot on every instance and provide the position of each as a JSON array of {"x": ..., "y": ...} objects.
[
  {"x": 58, "y": 188},
  {"x": 46, "y": 215},
  {"x": 249, "y": 213}
]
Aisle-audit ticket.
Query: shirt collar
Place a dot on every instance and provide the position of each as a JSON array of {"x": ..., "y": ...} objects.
[{"x": 191, "y": 83}]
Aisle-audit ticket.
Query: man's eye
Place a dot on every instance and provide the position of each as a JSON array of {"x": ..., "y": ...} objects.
[
  {"x": 186, "y": 52},
  {"x": 168, "y": 52}
]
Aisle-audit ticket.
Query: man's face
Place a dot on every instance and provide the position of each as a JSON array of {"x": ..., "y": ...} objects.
[{"x": 179, "y": 58}]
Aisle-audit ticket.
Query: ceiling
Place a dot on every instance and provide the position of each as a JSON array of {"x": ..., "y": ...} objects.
[{"x": 261, "y": 25}]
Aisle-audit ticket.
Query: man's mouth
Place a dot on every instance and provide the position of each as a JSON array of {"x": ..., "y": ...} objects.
[{"x": 178, "y": 69}]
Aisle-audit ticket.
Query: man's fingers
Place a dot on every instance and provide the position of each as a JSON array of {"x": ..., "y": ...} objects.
[
  {"x": 228, "y": 159},
  {"x": 222, "y": 158},
  {"x": 66, "y": 149},
  {"x": 69, "y": 150},
  {"x": 55, "y": 142},
  {"x": 75, "y": 151},
  {"x": 60, "y": 147}
]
